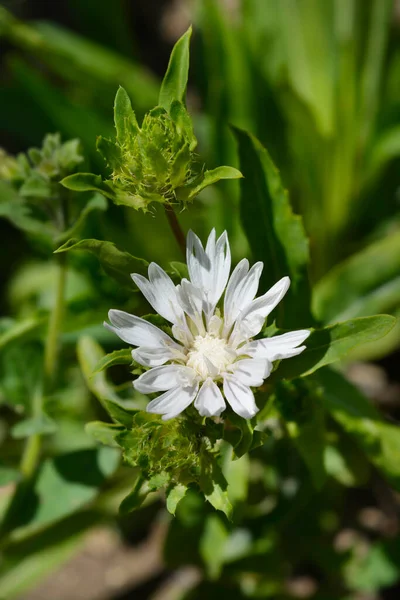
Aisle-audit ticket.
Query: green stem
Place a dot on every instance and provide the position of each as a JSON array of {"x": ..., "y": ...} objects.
[
  {"x": 31, "y": 452},
  {"x": 176, "y": 228}
]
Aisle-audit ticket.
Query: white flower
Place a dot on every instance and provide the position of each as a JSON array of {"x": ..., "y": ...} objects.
[{"x": 213, "y": 357}]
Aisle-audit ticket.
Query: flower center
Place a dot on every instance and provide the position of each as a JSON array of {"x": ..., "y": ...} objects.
[{"x": 209, "y": 356}]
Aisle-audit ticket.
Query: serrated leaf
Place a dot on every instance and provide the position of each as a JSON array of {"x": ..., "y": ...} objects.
[
  {"x": 174, "y": 84},
  {"x": 183, "y": 122},
  {"x": 104, "y": 433},
  {"x": 214, "y": 487},
  {"x": 115, "y": 263},
  {"x": 41, "y": 425},
  {"x": 174, "y": 495},
  {"x": 97, "y": 202},
  {"x": 357, "y": 416},
  {"x": 159, "y": 480},
  {"x": 124, "y": 117},
  {"x": 118, "y": 357},
  {"x": 88, "y": 182},
  {"x": 325, "y": 346},
  {"x": 276, "y": 235},
  {"x": 210, "y": 177}
]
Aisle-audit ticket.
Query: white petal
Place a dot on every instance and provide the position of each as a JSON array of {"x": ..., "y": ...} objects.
[
  {"x": 137, "y": 331},
  {"x": 193, "y": 303},
  {"x": 160, "y": 292},
  {"x": 209, "y": 401},
  {"x": 154, "y": 357},
  {"x": 251, "y": 371},
  {"x": 209, "y": 268},
  {"x": 240, "y": 291},
  {"x": 278, "y": 347},
  {"x": 173, "y": 402},
  {"x": 164, "y": 378},
  {"x": 253, "y": 317},
  {"x": 240, "y": 397}
]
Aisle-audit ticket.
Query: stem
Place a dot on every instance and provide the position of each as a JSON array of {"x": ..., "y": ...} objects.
[
  {"x": 51, "y": 348},
  {"x": 176, "y": 228},
  {"x": 31, "y": 452}
]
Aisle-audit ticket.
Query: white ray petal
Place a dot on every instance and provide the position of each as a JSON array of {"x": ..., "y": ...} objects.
[
  {"x": 160, "y": 292},
  {"x": 160, "y": 379},
  {"x": 154, "y": 357},
  {"x": 240, "y": 397},
  {"x": 172, "y": 403},
  {"x": 241, "y": 290},
  {"x": 251, "y": 371},
  {"x": 137, "y": 331},
  {"x": 252, "y": 319},
  {"x": 279, "y": 346},
  {"x": 209, "y": 401},
  {"x": 209, "y": 268}
]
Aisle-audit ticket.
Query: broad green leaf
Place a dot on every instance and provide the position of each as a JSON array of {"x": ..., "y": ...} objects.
[
  {"x": 42, "y": 425},
  {"x": 118, "y": 357},
  {"x": 159, "y": 480},
  {"x": 124, "y": 117},
  {"x": 98, "y": 202},
  {"x": 379, "y": 440},
  {"x": 241, "y": 444},
  {"x": 366, "y": 283},
  {"x": 89, "y": 355},
  {"x": 104, "y": 432},
  {"x": 174, "y": 495},
  {"x": 325, "y": 346},
  {"x": 88, "y": 182},
  {"x": 174, "y": 84},
  {"x": 115, "y": 263},
  {"x": 276, "y": 236},
  {"x": 212, "y": 545},
  {"x": 64, "y": 484},
  {"x": 210, "y": 177}
]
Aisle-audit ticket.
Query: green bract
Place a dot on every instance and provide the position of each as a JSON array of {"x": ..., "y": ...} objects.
[
  {"x": 35, "y": 173},
  {"x": 154, "y": 162}
]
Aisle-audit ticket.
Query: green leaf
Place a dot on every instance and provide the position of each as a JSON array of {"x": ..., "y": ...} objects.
[
  {"x": 180, "y": 269},
  {"x": 124, "y": 117},
  {"x": 36, "y": 186},
  {"x": 115, "y": 263},
  {"x": 210, "y": 177},
  {"x": 215, "y": 488},
  {"x": 366, "y": 283},
  {"x": 8, "y": 475},
  {"x": 90, "y": 354},
  {"x": 174, "y": 84},
  {"x": 174, "y": 495},
  {"x": 276, "y": 236},
  {"x": 97, "y": 202},
  {"x": 379, "y": 440},
  {"x": 15, "y": 209},
  {"x": 325, "y": 346},
  {"x": 305, "y": 423},
  {"x": 104, "y": 433},
  {"x": 118, "y": 357},
  {"x": 63, "y": 485},
  {"x": 42, "y": 425},
  {"x": 242, "y": 444},
  {"x": 88, "y": 182},
  {"x": 212, "y": 545},
  {"x": 136, "y": 498},
  {"x": 21, "y": 331}
]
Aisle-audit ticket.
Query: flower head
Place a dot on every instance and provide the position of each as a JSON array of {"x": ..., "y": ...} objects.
[{"x": 212, "y": 356}]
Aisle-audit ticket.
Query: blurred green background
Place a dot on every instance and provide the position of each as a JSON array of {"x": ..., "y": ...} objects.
[{"x": 318, "y": 82}]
